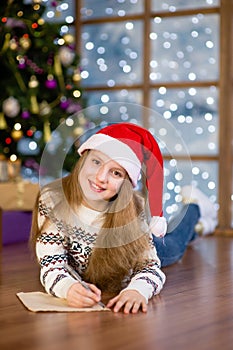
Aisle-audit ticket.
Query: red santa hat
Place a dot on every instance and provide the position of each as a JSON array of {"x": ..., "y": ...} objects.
[{"x": 132, "y": 146}]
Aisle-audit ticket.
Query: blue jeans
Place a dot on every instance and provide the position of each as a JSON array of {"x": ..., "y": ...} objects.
[{"x": 172, "y": 247}]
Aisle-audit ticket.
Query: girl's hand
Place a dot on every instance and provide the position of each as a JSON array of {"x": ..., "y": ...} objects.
[
  {"x": 78, "y": 296},
  {"x": 130, "y": 300}
]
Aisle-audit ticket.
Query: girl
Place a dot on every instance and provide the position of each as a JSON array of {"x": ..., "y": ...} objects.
[{"x": 94, "y": 221}]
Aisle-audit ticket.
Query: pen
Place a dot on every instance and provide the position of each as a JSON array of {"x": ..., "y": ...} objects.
[{"x": 76, "y": 276}]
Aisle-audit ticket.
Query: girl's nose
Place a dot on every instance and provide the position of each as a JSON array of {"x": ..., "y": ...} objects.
[{"x": 102, "y": 174}]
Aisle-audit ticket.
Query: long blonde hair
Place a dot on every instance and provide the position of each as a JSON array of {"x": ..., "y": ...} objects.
[{"x": 122, "y": 242}]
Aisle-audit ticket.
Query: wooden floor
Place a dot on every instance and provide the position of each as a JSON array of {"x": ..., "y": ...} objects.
[{"x": 194, "y": 311}]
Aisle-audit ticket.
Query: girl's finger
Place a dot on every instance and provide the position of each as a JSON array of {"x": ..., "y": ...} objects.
[
  {"x": 135, "y": 308},
  {"x": 118, "y": 305},
  {"x": 89, "y": 293},
  {"x": 112, "y": 301},
  {"x": 94, "y": 289},
  {"x": 128, "y": 307}
]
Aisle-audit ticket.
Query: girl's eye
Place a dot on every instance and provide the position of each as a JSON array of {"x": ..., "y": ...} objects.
[
  {"x": 117, "y": 173},
  {"x": 96, "y": 161}
]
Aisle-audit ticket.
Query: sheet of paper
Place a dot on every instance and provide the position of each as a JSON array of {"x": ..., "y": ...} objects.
[{"x": 39, "y": 301}]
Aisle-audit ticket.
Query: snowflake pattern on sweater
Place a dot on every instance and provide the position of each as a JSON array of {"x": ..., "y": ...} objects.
[{"x": 61, "y": 243}]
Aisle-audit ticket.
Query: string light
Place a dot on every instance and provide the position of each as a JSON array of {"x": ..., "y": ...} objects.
[{"x": 13, "y": 157}]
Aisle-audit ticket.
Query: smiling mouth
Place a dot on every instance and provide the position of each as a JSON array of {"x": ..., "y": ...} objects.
[{"x": 95, "y": 187}]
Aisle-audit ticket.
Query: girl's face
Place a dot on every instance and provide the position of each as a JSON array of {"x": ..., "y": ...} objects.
[{"x": 100, "y": 179}]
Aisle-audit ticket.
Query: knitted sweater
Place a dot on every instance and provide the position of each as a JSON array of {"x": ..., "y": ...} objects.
[{"x": 70, "y": 238}]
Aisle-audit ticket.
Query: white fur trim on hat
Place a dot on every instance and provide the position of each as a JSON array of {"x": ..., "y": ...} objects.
[{"x": 116, "y": 150}]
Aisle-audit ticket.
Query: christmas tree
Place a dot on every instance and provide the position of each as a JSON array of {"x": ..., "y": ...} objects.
[{"x": 40, "y": 80}]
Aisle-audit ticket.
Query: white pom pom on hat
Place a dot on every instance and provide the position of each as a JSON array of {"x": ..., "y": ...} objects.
[{"x": 133, "y": 146}]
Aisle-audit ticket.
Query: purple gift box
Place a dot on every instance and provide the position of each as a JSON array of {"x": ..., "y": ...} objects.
[{"x": 16, "y": 226}]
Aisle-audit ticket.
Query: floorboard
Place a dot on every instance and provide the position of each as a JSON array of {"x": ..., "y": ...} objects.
[{"x": 194, "y": 310}]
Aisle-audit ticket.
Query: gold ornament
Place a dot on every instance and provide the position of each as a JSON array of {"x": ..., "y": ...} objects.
[
  {"x": 76, "y": 76},
  {"x": 16, "y": 135},
  {"x": 69, "y": 38},
  {"x": 36, "y": 7},
  {"x": 82, "y": 120},
  {"x": 78, "y": 131},
  {"x": 47, "y": 131},
  {"x": 34, "y": 107},
  {"x": 6, "y": 42},
  {"x": 58, "y": 72},
  {"x": 13, "y": 45},
  {"x": 57, "y": 65},
  {"x": 41, "y": 21},
  {"x": 45, "y": 109},
  {"x": 57, "y": 13},
  {"x": 2, "y": 157},
  {"x": 25, "y": 42},
  {"x": 33, "y": 83},
  {"x": 20, "y": 13},
  {"x": 3, "y": 123}
]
